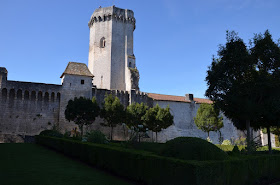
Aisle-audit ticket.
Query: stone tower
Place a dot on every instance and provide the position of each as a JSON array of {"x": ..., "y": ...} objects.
[{"x": 111, "y": 59}]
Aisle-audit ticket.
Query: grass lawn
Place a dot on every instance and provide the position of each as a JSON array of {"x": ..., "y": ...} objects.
[{"x": 30, "y": 164}]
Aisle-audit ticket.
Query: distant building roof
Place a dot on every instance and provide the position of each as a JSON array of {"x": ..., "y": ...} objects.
[
  {"x": 163, "y": 97},
  {"x": 75, "y": 68}
]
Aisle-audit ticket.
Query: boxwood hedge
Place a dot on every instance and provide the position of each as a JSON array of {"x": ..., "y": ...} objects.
[{"x": 150, "y": 168}]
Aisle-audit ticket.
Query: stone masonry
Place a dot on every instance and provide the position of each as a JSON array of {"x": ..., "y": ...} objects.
[{"x": 27, "y": 108}]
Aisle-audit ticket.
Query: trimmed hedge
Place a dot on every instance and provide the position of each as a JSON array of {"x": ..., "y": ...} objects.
[
  {"x": 152, "y": 169},
  {"x": 192, "y": 148}
]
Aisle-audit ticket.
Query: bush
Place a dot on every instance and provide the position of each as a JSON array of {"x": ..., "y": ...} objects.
[
  {"x": 96, "y": 136},
  {"x": 191, "y": 148},
  {"x": 152, "y": 169},
  {"x": 52, "y": 133},
  {"x": 226, "y": 142}
]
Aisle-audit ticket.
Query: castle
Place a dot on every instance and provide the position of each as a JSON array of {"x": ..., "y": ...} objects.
[{"x": 27, "y": 108}]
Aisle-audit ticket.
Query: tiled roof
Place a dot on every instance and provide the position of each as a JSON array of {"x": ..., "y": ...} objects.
[
  {"x": 202, "y": 100},
  {"x": 163, "y": 97},
  {"x": 74, "y": 68}
]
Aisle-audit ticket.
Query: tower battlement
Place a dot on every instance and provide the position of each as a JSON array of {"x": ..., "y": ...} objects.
[
  {"x": 112, "y": 13},
  {"x": 111, "y": 58}
]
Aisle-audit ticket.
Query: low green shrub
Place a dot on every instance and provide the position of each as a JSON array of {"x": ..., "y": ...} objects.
[
  {"x": 192, "y": 148},
  {"x": 96, "y": 136},
  {"x": 153, "y": 169},
  {"x": 52, "y": 133},
  {"x": 226, "y": 142},
  {"x": 229, "y": 148}
]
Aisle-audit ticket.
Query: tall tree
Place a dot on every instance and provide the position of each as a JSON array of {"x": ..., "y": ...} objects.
[
  {"x": 113, "y": 113},
  {"x": 229, "y": 81},
  {"x": 134, "y": 117},
  {"x": 82, "y": 111},
  {"x": 158, "y": 118},
  {"x": 245, "y": 84},
  {"x": 266, "y": 56},
  {"x": 207, "y": 118}
]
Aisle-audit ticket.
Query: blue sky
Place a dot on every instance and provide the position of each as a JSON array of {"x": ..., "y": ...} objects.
[{"x": 174, "y": 40}]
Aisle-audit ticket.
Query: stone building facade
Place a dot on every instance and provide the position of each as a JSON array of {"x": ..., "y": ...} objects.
[{"x": 27, "y": 108}]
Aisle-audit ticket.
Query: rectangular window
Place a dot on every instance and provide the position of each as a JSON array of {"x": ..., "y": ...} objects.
[{"x": 82, "y": 82}]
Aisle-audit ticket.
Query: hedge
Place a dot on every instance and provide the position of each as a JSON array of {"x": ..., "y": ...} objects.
[{"x": 149, "y": 168}]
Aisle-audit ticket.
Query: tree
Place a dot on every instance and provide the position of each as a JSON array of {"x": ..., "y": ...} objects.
[
  {"x": 134, "y": 117},
  {"x": 158, "y": 118},
  {"x": 82, "y": 111},
  {"x": 113, "y": 113},
  {"x": 229, "y": 81},
  {"x": 245, "y": 84},
  {"x": 266, "y": 56},
  {"x": 207, "y": 118}
]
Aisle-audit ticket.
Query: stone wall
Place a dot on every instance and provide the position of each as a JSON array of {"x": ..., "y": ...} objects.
[
  {"x": 28, "y": 108},
  {"x": 184, "y": 125}
]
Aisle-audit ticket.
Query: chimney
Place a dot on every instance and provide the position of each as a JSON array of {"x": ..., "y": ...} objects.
[{"x": 189, "y": 97}]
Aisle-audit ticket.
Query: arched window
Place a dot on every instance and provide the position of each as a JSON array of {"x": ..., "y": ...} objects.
[
  {"x": 58, "y": 97},
  {"x": 102, "y": 42},
  {"x": 4, "y": 94},
  {"x": 40, "y": 96},
  {"x": 12, "y": 94},
  {"x": 33, "y": 95},
  {"x": 52, "y": 96},
  {"x": 19, "y": 94},
  {"x": 46, "y": 97},
  {"x": 26, "y": 95}
]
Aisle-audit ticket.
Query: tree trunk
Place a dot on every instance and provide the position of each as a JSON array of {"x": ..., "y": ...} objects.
[
  {"x": 208, "y": 135},
  {"x": 82, "y": 130},
  {"x": 269, "y": 140},
  {"x": 156, "y": 137},
  {"x": 249, "y": 141},
  {"x": 152, "y": 136},
  {"x": 111, "y": 136}
]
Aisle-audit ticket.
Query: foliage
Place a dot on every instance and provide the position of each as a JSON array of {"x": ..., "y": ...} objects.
[
  {"x": 52, "y": 133},
  {"x": 209, "y": 140},
  {"x": 191, "y": 148},
  {"x": 207, "y": 118},
  {"x": 113, "y": 113},
  {"x": 240, "y": 141},
  {"x": 229, "y": 148},
  {"x": 134, "y": 117},
  {"x": 226, "y": 142},
  {"x": 96, "y": 136},
  {"x": 154, "y": 169},
  {"x": 158, "y": 118},
  {"x": 82, "y": 111},
  {"x": 245, "y": 83},
  {"x": 235, "y": 150}
]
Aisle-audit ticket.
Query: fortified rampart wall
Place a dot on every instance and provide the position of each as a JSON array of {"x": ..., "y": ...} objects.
[{"x": 28, "y": 108}]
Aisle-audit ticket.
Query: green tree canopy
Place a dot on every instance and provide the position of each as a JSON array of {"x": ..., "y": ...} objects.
[
  {"x": 134, "y": 117},
  {"x": 82, "y": 111},
  {"x": 244, "y": 83},
  {"x": 113, "y": 113},
  {"x": 207, "y": 118},
  {"x": 158, "y": 118}
]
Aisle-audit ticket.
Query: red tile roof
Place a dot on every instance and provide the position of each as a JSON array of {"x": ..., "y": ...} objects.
[{"x": 163, "y": 97}]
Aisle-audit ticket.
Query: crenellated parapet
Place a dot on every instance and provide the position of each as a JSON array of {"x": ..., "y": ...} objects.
[{"x": 112, "y": 13}]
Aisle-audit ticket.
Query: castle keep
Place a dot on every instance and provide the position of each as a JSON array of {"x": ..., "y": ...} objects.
[{"x": 27, "y": 108}]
